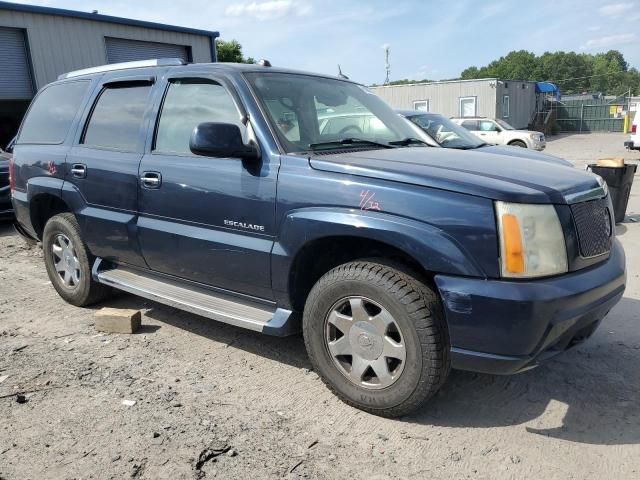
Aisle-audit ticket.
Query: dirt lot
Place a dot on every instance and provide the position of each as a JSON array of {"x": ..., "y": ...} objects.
[{"x": 252, "y": 405}]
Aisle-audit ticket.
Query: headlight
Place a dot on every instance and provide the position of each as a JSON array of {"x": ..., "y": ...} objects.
[{"x": 531, "y": 240}]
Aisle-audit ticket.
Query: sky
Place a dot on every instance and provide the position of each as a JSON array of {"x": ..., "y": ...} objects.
[{"x": 427, "y": 39}]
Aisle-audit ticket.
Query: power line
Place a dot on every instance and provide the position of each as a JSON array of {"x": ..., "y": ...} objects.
[{"x": 588, "y": 76}]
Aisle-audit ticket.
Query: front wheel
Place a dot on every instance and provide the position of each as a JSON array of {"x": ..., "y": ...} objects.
[
  {"x": 377, "y": 337},
  {"x": 518, "y": 143},
  {"x": 69, "y": 262}
]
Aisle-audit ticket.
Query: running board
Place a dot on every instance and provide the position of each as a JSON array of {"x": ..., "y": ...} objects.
[{"x": 224, "y": 308}]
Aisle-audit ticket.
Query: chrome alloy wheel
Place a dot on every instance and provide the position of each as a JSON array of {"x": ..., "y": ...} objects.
[
  {"x": 365, "y": 342},
  {"x": 65, "y": 261}
]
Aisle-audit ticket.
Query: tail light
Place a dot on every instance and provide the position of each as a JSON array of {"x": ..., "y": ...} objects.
[
  {"x": 634, "y": 128},
  {"x": 11, "y": 176}
]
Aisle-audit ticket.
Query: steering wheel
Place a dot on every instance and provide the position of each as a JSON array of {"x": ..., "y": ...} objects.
[{"x": 349, "y": 128}]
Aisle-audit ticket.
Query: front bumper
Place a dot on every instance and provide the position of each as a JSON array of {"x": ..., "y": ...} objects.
[
  {"x": 505, "y": 327},
  {"x": 539, "y": 145}
]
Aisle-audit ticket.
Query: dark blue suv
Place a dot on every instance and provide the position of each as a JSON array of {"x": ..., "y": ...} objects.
[{"x": 277, "y": 201}]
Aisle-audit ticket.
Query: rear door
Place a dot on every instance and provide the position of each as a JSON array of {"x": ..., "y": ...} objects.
[
  {"x": 209, "y": 220},
  {"x": 103, "y": 167}
]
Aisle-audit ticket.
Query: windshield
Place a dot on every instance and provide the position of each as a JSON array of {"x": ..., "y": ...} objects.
[
  {"x": 504, "y": 124},
  {"x": 445, "y": 132},
  {"x": 315, "y": 113}
]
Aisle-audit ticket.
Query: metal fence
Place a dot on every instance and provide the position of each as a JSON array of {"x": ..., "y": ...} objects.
[{"x": 593, "y": 115}]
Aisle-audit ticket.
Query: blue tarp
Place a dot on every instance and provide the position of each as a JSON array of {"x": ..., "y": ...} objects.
[{"x": 548, "y": 87}]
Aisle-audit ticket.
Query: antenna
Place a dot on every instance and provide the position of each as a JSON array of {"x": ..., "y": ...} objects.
[
  {"x": 387, "y": 65},
  {"x": 340, "y": 74}
]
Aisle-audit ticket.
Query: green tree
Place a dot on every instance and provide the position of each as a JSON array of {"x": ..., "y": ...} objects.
[
  {"x": 574, "y": 73},
  {"x": 231, "y": 52}
]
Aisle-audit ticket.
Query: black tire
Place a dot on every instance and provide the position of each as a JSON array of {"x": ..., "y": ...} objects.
[
  {"x": 518, "y": 143},
  {"x": 418, "y": 313},
  {"x": 86, "y": 291}
]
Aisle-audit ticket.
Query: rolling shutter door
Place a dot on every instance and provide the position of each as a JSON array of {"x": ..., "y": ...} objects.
[
  {"x": 15, "y": 76},
  {"x": 124, "y": 50}
]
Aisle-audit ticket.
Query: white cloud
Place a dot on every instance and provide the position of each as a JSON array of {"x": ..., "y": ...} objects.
[
  {"x": 615, "y": 9},
  {"x": 610, "y": 41},
  {"x": 269, "y": 10}
]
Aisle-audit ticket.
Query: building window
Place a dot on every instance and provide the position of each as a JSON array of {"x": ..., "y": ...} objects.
[
  {"x": 422, "y": 105},
  {"x": 505, "y": 106},
  {"x": 467, "y": 106}
]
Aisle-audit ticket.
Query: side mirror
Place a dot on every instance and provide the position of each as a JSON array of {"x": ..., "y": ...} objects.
[{"x": 222, "y": 140}]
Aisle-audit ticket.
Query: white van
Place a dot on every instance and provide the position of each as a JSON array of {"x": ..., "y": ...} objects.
[{"x": 634, "y": 134}]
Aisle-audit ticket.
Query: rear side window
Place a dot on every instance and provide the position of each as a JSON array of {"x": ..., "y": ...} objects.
[
  {"x": 189, "y": 102},
  {"x": 470, "y": 125},
  {"x": 52, "y": 113},
  {"x": 117, "y": 118}
]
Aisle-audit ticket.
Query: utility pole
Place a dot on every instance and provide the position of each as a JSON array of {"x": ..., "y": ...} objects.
[{"x": 387, "y": 65}]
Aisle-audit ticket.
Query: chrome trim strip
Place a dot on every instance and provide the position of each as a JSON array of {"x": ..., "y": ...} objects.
[
  {"x": 160, "y": 62},
  {"x": 584, "y": 196}
]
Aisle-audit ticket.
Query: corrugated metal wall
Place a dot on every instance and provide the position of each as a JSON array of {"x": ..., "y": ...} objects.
[
  {"x": 444, "y": 97},
  {"x": 61, "y": 44}
]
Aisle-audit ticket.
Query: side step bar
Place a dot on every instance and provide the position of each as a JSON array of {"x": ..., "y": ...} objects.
[{"x": 224, "y": 308}]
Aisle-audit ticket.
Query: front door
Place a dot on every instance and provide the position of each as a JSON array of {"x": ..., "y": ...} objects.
[
  {"x": 209, "y": 220},
  {"x": 489, "y": 132},
  {"x": 103, "y": 167}
]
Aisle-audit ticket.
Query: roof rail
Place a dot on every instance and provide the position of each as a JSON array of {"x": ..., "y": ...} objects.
[{"x": 158, "y": 62}]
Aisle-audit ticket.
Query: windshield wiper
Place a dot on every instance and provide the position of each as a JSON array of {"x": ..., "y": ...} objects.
[
  {"x": 469, "y": 147},
  {"x": 405, "y": 142},
  {"x": 348, "y": 141}
]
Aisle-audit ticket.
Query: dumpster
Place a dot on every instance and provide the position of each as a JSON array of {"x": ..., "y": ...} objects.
[{"x": 619, "y": 181}]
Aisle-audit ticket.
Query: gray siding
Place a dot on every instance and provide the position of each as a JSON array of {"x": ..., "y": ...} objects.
[
  {"x": 15, "y": 80},
  {"x": 522, "y": 99},
  {"x": 444, "y": 97},
  {"x": 60, "y": 44}
]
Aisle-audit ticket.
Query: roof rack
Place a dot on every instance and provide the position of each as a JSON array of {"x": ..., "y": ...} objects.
[{"x": 158, "y": 62}]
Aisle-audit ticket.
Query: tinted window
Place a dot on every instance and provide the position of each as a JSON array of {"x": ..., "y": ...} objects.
[
  {"x": 117, "y": 118},
  {"x": 52, "y": 113},
  {"x": 187, "y": 104}
]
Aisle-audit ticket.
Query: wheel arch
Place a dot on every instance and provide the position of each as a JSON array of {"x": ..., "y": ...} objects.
[{"x": 314, "y": 241}]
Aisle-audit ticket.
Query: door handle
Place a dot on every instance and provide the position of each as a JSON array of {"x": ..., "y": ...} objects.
[
  {"x": 151, "y": 179},
  {"x": 79, "y": 170}
]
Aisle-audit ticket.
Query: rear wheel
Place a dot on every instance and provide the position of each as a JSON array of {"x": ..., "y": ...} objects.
[
  {"x": 518, "y": 143},
  {"x": 377, "y": 337},
  {"x": 69, "y": 262}
]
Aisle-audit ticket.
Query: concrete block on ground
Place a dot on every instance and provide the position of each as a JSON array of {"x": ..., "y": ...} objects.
[{"x": 118, "y": 320}]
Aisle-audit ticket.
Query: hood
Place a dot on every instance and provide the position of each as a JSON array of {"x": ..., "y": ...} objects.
[
  {"x": 473, "y": 172},
  {"x": 524, "y": 153}
]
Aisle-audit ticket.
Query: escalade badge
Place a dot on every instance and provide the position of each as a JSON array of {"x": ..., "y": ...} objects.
[{"x": 246, "y": 226}]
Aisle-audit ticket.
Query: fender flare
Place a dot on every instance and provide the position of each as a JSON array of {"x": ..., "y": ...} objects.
[{"x": 430, "y": 246}]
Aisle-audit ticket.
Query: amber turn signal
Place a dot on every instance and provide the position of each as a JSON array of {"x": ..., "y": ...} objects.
[{"x": 513, "y": 250}]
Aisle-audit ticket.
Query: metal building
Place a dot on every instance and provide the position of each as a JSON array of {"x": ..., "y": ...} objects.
[
  {"x": 511, "y": 100},
  {"x": 39, "y": 43}
]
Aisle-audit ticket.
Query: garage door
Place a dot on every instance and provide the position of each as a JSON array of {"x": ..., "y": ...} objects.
[
  {"x": 15, "y": 77},
  {"x": 124, "y": 50}
]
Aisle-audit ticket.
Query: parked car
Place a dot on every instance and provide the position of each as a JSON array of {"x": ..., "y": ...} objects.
[
  {"x": 499, "y": 132},
  {"x": 442, "y": 132},
  {"x": 6, "y": 209},
  {"x": 398, "y": 261},
  {"x": 634, "y": 134}
]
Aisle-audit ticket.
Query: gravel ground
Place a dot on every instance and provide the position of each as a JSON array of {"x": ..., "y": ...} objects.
[{"x": 218, "y": 402}]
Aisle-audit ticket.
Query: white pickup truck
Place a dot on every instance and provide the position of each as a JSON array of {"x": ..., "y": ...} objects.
[{"x": 634, "y": 134}]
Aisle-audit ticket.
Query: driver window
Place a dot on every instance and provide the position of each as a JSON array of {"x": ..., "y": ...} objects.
[{"x": 189, "y": 102}]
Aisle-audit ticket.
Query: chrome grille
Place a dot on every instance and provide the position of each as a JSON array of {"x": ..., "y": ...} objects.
[{"x": 593, "y": 224}]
